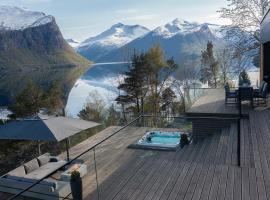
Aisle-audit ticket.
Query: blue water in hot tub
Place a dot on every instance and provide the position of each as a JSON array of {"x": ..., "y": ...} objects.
[{"x": 159, "y": 138}]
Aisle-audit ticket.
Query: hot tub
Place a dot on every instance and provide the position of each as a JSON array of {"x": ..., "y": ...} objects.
[{"x": 159, "y": 140}]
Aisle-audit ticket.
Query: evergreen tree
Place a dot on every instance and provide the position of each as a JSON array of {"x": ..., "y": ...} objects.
[
  {"x": 113, "y": 117},
  {"x": 53, "y": 99},
  {"x": 134, "y": 85},
  {"x": 145, "y": 82},
  {"x": 168, "y": 97},
  {"x": 209, "y": 70},
  {"x": 244, "y": 78},
  {"x": 29, "y": 101},
  {"x": 158, "y": 73}
]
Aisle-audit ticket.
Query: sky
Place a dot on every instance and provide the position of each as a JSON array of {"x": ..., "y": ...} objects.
[{"x": 81, "y": 19}]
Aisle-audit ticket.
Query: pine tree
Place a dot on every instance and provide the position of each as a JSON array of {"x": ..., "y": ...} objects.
[
  {"x": 113, "y": 117},
  {"x": 134, "y": 85},
  {"x": 144, "y": 83},
  {"x": 53, "y": 99},
  {"x": 167, "y": 97},
  {"x": 29, "y": 101},
  {"x": 209, "y": 70}
]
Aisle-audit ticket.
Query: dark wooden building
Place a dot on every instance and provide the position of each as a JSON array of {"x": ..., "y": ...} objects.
[{"x": 265, "y": 40}]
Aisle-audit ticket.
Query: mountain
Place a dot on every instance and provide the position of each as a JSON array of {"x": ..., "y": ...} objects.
[
  {"x": 32, "y": 47},
  {"x": 73, "y": 43},
  {"x": 179, "y": 39},
  {"x": 114, "y": 38}
]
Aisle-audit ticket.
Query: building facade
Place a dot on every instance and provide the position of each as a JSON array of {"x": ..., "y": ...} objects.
[{"x": 265, "y": 47}]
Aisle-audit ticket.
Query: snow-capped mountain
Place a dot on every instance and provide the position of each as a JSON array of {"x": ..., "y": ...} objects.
[
  {"x": 179, "y": 39},
  {"x": 73, "y": 43},
  {"x": 115, "y": 37},
  {"x": 15, "y": 18},
  {"x": 183, "y": 27},
  {"x": 32, "y": 48}
]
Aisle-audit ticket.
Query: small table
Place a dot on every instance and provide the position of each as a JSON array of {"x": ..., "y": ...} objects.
[{"x": 66, "y": 175}]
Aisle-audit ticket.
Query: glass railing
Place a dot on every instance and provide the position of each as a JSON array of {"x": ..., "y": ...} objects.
[
  {"x": 107, "y": 161},
  {"x": 204, "y": 99},
  {"x": 191, "y": 95}
]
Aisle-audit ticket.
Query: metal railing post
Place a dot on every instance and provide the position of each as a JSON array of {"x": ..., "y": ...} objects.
[
  {"x": 184, "y": 99},
  {"x": 239, "y": 128},
  {"x": 239, "y": 102},
  {"x": 239, "y": 142},
  {"x": 95, "y": 163}
]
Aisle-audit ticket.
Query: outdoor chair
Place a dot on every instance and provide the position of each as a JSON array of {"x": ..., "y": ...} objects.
[
  {"x": 261, "y": 96},
  {"x": 246, "y": 94},
  {"x": 260, "y": 89},
  {"x": 230, "y": 94}
]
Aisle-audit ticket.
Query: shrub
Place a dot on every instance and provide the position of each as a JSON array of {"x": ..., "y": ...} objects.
[
  {"x": 75, "y": 175},
  {"x": 244, "y": 78}
]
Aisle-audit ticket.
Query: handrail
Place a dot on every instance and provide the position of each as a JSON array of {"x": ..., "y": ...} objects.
[
  {"x": 72, "y": 160},
  {"x": 195, "y": 117}
]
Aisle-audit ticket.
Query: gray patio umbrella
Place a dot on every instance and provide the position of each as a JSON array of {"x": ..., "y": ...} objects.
[{"x": 44, "y": 128}]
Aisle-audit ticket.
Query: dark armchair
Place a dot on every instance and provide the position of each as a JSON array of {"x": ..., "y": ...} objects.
[
  {"x": 260, "y": 89},
  {"x": 230, "y": 94},
  {"x": 261, "y": 95},
  {"x": 246, "y": 94}
]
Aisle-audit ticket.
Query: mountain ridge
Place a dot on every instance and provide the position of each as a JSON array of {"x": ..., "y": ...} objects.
[
  {"x": 115, "y": 37},
  {"x": 16, "y": 18},
  {"x": 179, "y": 39}
]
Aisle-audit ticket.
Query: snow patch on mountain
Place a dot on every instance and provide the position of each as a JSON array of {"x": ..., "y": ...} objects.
[
  {"x": 15, "y": 18},
  {"x": 183, "y": 27},
  {"x": 117, "y": 36},
  {"x": 73, "y": 43}
]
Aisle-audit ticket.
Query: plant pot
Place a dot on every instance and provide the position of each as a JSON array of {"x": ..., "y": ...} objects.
[{"x": 76, "y": 188}]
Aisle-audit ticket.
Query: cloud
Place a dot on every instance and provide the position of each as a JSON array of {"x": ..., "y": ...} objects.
[
  {"x": 142, "y": 17},
  {"x": 214, "y": 18},
  {"x": 126, "y": 11},
  {"x": 36, "y": 1},
  {"x": 78, "y": 27}
]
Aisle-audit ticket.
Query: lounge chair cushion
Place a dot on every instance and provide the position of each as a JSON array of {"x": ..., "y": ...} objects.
[
  {"x": 31, "y": 166},
  {"x": 43, "y": 159},
  {"x": 20, "y": 171},
  {"x": 47, "y": 182},
  {"x": 45, "y": 170}
]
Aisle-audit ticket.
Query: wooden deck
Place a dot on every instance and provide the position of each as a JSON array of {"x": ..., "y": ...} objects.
[
  {"x": 203, "y": 170},
  {"x": 212, "y": 103}
]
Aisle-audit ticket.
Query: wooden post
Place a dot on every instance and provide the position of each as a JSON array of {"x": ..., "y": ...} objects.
[
  {"x": 239, "y": 142},
  {"x": 67, "y": 148},
  {"x": 262, "y": 63}
]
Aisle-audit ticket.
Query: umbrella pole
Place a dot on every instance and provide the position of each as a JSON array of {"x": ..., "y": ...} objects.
[
  {"x": 67, "y": 148},
  {"x": 39, "y": 149}
]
